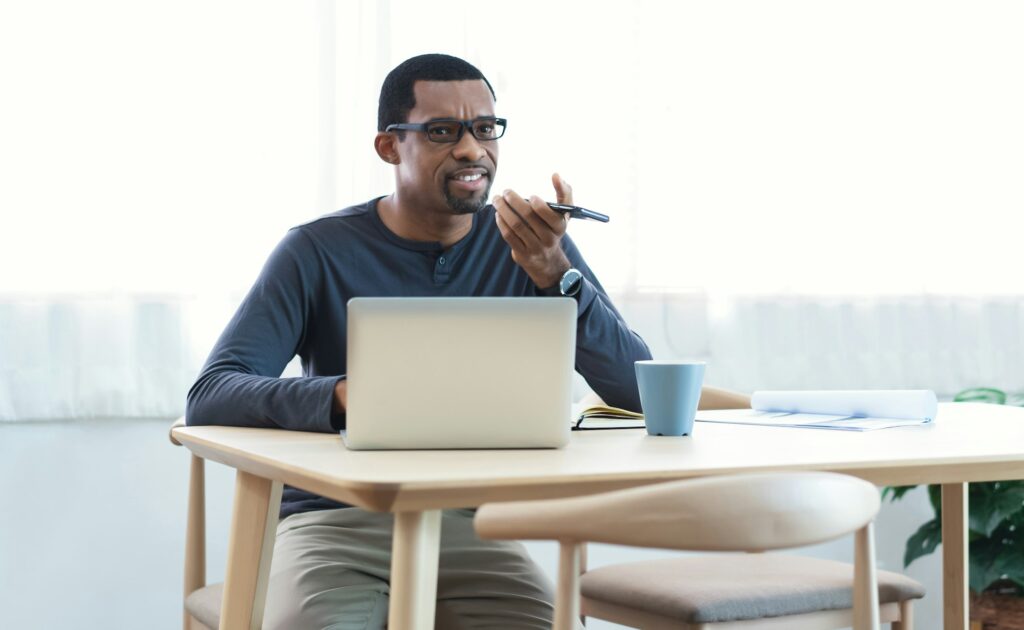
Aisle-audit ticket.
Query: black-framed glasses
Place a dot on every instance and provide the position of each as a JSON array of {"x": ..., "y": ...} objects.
[{"x": 450, "y": 129}]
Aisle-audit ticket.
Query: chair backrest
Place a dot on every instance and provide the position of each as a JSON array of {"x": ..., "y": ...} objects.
[{"x": 753, "y": 512}]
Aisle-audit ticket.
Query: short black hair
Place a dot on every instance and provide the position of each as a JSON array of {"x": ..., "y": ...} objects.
[{"x": 396, "y": 95}]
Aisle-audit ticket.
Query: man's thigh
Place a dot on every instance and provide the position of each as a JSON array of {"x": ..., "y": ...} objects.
[
  {"x": 331, "y": 570},
  {"x": 488, "y": 583}
]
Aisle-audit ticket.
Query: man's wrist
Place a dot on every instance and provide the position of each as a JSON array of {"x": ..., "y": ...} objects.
[
  {"x": 340, "y": 396},
  {"x": 551, "y": 278},
  {"x": 551, "y": 273},
  {"x": 550, "y": 281},
  {"x": 568, "y": 284}
]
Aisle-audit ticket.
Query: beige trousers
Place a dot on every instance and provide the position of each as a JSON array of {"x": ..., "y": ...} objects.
[{"x": 331, "y": 569}]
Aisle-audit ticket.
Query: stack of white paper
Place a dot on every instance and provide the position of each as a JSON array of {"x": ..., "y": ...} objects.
[{"x": 861, "y": 410}]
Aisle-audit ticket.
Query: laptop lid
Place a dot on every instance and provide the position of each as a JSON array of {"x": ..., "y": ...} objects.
[{"x": 475, "y": 372}]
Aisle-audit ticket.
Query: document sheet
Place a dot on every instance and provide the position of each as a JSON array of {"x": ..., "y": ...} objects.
[{"x": 846, "y": 410}]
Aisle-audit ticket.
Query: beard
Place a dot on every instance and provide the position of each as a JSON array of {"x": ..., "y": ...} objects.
[{"x": 460, "y": 205}]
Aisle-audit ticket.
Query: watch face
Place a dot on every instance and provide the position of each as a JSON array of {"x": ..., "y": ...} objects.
[{"x": 570, "y": 283}]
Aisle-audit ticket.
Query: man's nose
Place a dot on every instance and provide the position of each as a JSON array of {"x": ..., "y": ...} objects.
[{"x": 468, "y": 148}]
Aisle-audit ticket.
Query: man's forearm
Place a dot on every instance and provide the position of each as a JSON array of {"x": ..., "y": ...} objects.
[{"x": 236, "y": 399}]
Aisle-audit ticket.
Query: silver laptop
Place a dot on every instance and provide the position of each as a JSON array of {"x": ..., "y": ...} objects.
[{"x": 439, "y": 373}]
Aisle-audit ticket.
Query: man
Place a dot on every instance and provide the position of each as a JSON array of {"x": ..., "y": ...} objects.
[{"x": 435, "y": 235}]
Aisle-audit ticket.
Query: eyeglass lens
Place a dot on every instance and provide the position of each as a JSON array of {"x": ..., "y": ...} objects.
[{"x": 451, "y": 130}]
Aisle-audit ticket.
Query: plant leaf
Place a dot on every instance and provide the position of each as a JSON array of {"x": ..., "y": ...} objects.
[
  {"x": 923, "y": 541},
  {"x": 996, "y": 558},
  {"x": 982, "y": 394},
  {"x": 895, "y": 493},
  {"x": 992, "y": 503},
  {"x": 983, "y": 564},
  {"x": 1008, "y": 542},
  {"x": 935, "y": 496}
]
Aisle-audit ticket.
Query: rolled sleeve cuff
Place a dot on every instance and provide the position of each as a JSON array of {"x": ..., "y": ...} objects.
[{"x": 585, "y": 296}]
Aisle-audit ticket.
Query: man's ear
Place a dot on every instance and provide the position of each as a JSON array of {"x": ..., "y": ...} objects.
[{"x": 385, "y": 144}]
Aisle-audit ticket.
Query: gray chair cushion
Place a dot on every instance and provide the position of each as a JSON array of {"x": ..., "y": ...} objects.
[
  {"x": 204, "y": 604},
  {"x": 707, "y": 589}
]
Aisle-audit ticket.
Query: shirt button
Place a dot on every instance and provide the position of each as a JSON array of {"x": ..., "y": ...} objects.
[{"x": 440, "y": 260}]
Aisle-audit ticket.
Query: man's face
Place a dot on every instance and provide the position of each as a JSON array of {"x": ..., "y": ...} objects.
[{"x": 452, "y": 177}]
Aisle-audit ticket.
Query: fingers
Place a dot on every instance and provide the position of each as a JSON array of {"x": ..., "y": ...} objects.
[
  {"x": 553, "y": 220},
  {"x": 507, "y": 233},
  {"x": 534, "y": 242},
  {"x": 563, "y": 191},
  {"x": 534, "y": 222},
  {"x": 514, "y": 220}
]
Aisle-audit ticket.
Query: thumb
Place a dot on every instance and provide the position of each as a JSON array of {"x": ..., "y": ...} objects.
[{"x": 563, "y": 191}]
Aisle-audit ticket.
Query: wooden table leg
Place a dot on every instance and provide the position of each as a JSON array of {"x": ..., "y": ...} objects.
[
  {"x": 567, "y": 597},
  {"x": 195, "y": 534},
  {"x": 414, "y": 557},
  {"x": 253, "y": 527},
  {"x": 954, "y": 557}
]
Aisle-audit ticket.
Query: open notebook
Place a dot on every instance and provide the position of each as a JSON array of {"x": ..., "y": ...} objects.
[{"x": 604, "y": 417}]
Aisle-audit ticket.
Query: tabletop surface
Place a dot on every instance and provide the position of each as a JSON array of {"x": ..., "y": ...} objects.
[{"x": 966, "y": 442}]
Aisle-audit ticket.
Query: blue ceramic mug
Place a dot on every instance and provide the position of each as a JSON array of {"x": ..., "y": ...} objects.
[{"x": 669, "y": 393}]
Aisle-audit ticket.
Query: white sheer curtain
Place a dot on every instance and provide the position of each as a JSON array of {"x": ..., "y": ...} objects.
[
  {"x": 152, "y": 155},
  {"x": 806, "y": 194}
]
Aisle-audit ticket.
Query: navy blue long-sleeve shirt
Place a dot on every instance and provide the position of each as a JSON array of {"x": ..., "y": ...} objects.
[{"x": 298, "y": 307}]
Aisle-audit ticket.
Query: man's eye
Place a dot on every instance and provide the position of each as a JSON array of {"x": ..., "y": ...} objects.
[
  {"x": 485, "y": 129},
  {"x": 440, "y": 130}
]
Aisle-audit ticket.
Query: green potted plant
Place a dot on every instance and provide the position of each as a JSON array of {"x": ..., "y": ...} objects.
[{"x": 996, "y": 538}]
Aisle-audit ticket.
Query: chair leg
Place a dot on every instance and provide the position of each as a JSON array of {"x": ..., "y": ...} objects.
[
  {"x": 906, "y": 621},
  {"x": 583, "y": 569},
  {"x": 865, "y": 586},
  {"x": 567, "y": 597}
]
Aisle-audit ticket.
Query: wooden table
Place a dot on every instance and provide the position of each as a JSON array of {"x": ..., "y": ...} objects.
[{"x": 968, "y": 442}]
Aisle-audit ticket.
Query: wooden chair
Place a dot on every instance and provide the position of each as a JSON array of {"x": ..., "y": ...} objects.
[{"x": 751, "y": 513}]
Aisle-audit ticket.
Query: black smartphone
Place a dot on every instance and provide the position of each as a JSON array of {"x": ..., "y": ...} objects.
[{"x": 577, "y": 212}]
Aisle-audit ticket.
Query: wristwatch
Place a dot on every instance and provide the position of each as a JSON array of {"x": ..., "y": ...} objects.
[{"x": 570, "y": 284}]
